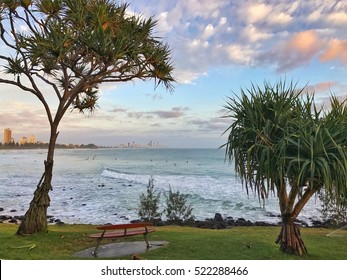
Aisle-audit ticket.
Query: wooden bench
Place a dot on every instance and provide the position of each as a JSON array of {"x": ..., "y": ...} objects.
[{"x": 121, "y": 230}]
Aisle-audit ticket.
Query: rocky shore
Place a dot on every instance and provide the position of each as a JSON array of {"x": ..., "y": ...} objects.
[{"x": 217, "y": 222}]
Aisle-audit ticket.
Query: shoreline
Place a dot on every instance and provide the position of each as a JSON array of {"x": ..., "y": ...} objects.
[
  {"x": 91, "y": 194},
  {"x": 218, "y": 222}
]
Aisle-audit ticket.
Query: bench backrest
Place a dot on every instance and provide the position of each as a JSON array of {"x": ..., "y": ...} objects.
[{"x": 124, "y": 226}]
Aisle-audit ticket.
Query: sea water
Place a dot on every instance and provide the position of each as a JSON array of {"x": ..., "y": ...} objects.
[{"x": 104, "y": 185}]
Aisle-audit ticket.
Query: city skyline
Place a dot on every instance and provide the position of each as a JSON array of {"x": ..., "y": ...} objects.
[
  {"x": 217, "y": 48},
  {"x": 23, "y": 140},
  {"x": 8, "y": 139}
]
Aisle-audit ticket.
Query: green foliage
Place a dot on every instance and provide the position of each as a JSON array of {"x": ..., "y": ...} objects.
[
  {"x": 177, "y": 209},
  {"x": 262, "y": 118},
  {"x": 334, "y": 208},
  {"x": 74, "y": 45},
  {"x": 279, "y": 139},
  {"x": 149, "y": 203}
]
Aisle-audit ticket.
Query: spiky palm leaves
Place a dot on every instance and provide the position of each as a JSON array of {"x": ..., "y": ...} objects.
[
  {"x": 281, "y": 143},
  {"x": 75, "y": 45},
  {"x": 261, "y": 119}
]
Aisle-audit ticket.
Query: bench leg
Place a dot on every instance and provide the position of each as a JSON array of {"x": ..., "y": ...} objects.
[
  {"x": 146, "y": 240},
  {"x": 95, "y": 252}
]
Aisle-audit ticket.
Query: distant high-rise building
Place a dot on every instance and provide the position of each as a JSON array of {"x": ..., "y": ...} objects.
[
  {"x": 32, "y": 139},
  {"x": 23, "y": 141},
  {"x": 7, "y": 136}
]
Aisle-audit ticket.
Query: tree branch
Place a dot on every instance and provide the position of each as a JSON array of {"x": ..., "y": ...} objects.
[
  {"x": 302, "y": 202},
  {"x": 55, "y": 88},
  {"x": 282, "y": 197},
  {"x": 291, "y": 198}
]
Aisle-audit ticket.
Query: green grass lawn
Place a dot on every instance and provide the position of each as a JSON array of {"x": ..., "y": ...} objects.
[{"x": 185, "y": 243}]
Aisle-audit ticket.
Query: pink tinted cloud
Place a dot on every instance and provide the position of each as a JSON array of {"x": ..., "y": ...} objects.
[
  {"x": 300, "y": 49},
  {"x": 305, "y": 42},
  {"x": 336, "y": 49},
  {"x": 322, "y": 87},
  {"x": 297, "y": 51},
  {"x": 304, "y": 46}
]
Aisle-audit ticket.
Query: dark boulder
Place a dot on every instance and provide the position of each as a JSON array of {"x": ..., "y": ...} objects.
[
  {"x": 316, "y": 223},
  {"x": 5, "y": 217},
  {"x": 261, "y": 224},
  {"x": 218, "y": 218},
  {"x": 330, "y": 223},
  {"x": 240, "y": 222},
  {"x": 230, "y": 222}
]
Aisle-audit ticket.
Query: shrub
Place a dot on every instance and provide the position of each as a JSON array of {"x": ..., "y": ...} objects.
[
  {"x": 149, "y": 203},
  {"x": 177, "y": 210},
  {"x": 334, "y": 209}
]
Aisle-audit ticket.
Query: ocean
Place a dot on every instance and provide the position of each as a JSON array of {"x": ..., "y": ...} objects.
[{"x": 100, "y": 186}]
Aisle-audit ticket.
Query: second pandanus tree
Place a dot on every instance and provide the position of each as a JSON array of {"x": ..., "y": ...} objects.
[{"x": 281, "y": 143}]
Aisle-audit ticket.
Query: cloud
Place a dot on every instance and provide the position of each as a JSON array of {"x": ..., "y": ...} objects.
[
  {"x": 155, "y": 96},
  {"x": 164, "y": 25},
  {"x": 304, "y": 42},
  {"x": 216, "y": 125},
  {"x": 175, "y": 112},
  {"x": 240, "y": 54},
  {"x": 280, "y": 18},
  {"x": 336, "y": 49},
  {"x": 118, "y": 110},
  {"x": 23, "y": 119},
  {"x": 282, "y": 34},
  {"x": 322, "y": 87},
  {"x": 209, "y": 31},
  {"x": 337, "y": 18},
  {"x": 188, "y": 76},
  {"x": 206, "y": 34},
  {"x": 297, "y": 51},
  {"x": 256, "y": 12},
  {"x": 252, "y": 34},
  {"x": 138, "y": 115}
]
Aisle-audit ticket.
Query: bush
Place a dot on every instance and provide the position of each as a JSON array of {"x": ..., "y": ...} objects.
[
  {"x": 332, "y": 208},
  {"x": 177, "y": 210},
  {"x": 149, "y": 203}
]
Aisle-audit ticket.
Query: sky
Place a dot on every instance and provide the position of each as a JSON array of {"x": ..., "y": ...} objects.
[{"x": 218, "y": 47}]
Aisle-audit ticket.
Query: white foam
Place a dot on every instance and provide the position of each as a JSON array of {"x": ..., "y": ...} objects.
[{"x": 84, "y": 193}]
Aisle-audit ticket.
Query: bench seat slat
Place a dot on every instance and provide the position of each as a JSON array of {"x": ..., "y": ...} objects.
[
  {"x": 122, "y": 231},
  {"x": 114, "y": 234},
  {"x": 123, "y": 226}
]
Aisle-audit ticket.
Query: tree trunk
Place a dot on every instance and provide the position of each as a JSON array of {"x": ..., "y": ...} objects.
[
  {"x": 35, "y": 219},
  {"x": 290, "y": 240}
]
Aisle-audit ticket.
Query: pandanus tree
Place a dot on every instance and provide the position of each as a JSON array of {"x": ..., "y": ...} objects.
[
  {"x": 69, "y": 48},
  {"x": 282, "y": 144}
]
